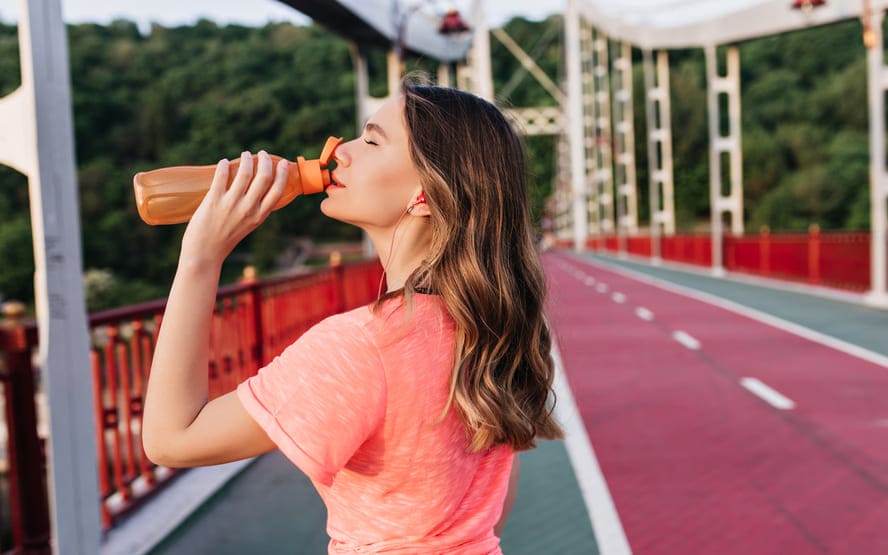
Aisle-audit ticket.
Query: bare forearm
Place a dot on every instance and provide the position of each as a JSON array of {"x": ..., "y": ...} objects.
[{"x": 178, "y": 383}]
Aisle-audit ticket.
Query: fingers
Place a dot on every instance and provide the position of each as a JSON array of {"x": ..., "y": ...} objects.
[
  {"x": 259, "y": 185},
  {"x": 276, "y": 191},
  {"x": 244, "y": 174},
  {"x": 220, "y": 179}
]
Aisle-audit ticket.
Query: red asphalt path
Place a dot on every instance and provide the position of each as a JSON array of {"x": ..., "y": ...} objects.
[{"x": 695, "y": 463}]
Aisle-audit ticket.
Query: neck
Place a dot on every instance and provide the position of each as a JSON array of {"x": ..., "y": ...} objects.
[{"x": 401, "y": 249}]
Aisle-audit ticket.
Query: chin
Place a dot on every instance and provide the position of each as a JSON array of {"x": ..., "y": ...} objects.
[{"x": 330, "y": 211}]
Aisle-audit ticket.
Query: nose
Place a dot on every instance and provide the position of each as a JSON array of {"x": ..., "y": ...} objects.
[{"x": 342, "y": 154}]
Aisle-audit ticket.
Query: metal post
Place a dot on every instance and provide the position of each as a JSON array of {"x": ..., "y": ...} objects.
[
  {"x": 367, "y": 104},
  {"x": 444, "y": 79},
  {"x": 624, "y": 146},
  {"x": 587, "y": 59},
  {"x": 362, "y": 84},
  {"x": 604, "y": 182},
  {"x": 877, "y": 76},
  {"x": 563, "y": 190},
  {"x": 575, "y": 124},
  {"x": 731, "y": 203},
  {"x": 480, "y": 54},
  {"x": 395, "y": 69},
  {"x": 659, "y": 124},
  {"x": 37, "y": 138}
]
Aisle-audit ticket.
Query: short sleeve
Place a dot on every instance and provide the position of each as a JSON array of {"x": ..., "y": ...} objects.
[{"x": 321, "y": 398}]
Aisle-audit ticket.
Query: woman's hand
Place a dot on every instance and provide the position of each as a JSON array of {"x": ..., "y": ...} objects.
[
  {"x": 179, "y": 426},
  {"x": 225, "y": 217}
]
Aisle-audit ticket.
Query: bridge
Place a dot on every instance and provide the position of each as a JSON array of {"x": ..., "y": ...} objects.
[{"x": 722, "y": 392}]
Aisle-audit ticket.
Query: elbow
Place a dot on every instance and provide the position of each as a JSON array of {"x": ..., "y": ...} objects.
[
  {"x": 158, "y": 451},
  {"x": 154, "y": 450}
]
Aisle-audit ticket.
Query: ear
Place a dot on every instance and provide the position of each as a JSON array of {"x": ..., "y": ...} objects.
[{"x": 419, "y": 205}]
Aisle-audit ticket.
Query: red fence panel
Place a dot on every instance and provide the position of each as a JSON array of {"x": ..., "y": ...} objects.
[
  {"x": 844, "y": 260},
  {"x": 688, "y": 249},
  {"x": 252, "y": 322},
  {"x": 639, "y": 245},
  {"x": 832, "y": 259}
]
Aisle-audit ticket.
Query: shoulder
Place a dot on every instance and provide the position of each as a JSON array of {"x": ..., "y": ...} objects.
[
  {"x": 355, "y": 319},
  {"x": 373, "y": 328}
]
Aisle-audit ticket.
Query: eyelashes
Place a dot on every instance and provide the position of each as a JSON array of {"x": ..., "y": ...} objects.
[{"x": 369, "y": 142}]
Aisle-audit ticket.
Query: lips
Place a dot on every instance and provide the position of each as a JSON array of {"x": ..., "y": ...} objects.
[{"x": 334, "y": 181}]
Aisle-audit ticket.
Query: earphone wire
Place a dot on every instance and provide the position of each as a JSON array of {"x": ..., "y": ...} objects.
[{"x": 391, "y": 251}]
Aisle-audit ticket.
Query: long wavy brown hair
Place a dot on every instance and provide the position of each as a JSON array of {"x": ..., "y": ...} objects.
[{"x": 484, "y": 265}]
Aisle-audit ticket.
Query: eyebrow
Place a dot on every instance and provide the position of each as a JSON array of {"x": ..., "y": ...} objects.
[{"x": 370, "y": 126}]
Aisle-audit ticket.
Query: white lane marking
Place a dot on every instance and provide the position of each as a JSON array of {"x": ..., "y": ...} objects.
[
  {"x": 767, "y": 394},
  {"x": 769, "y": 319},
  {"x": 686, "y": 340},
  {"x": 593, "y": 487},
  {"x": 644, "y": 313},
  {"x": 619, "y": 298},
  {"x": 601, "y": 288},
  {"x": 590, "y": 281}
]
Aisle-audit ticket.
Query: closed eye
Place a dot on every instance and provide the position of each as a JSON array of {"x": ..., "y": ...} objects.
[{"x": 369, "y": 142}]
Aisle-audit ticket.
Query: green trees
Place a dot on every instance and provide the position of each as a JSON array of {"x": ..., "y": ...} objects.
[{"x": 191, "y": 95}]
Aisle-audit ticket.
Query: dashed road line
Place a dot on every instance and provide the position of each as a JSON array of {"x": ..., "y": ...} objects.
[
  {"x": 644, "y": 314},
  {"x": 767, "y": 394},
  {"x": 601, "y": 288},
  {"x": 686, "y": 340},
  {"x": 618, "y": 298}
]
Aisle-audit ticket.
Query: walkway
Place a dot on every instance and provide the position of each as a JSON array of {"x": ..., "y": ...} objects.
[{"x": 716, "y": 431}]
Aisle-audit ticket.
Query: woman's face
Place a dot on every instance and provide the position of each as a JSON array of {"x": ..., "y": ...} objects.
[{"x": 375, "y": 176}]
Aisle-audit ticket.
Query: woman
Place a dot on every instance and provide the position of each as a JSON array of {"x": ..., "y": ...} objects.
[{"x": 406, "y": 415}]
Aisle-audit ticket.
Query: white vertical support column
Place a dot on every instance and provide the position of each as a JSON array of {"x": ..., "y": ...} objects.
[
  {"x": 444, "y": 79},
  {"x": 482, "y": 77},
  {"x": 365, "y": 106},
  {"x": 659, "y": 125},
  {"x": 877, "y": 76},
  {"x": 604, "y": 181},
  {"x": 563, "y": 190},
  {"x": 37, "y": 139},
  {"x": 587, "y": 71},
  {"x": 395, "y": 70},
  {"x": 624, "y": 146},
  {"x": 575, "y": 123},
  {"x": 362, "y": 85},
  {"x": 732, "y": 203}
]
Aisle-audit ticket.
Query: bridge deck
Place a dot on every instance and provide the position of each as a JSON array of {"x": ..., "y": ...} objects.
[{"x": 695, "y": 462}]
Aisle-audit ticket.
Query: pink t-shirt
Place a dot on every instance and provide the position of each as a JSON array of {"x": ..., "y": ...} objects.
[{"x": 352, "y": 403}]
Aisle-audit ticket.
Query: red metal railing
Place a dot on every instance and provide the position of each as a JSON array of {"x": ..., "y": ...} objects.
[
  {"x": 251, "y": 323},
  {"x": 832, "y": 259}
]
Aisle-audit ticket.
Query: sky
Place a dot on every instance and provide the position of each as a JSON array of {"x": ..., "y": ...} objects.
[{"x": 247, "y": 12}]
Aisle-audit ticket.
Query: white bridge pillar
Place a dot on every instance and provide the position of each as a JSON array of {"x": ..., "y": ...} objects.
[
  {"x": 877, "y": 75},
  {"x": 624, "y": 145},
  {"x": 37, "y": 139},
  {"x": 659, "y": 125},
  {"x": 603, "y": 137},
  {"x": 732, "y": 202}
]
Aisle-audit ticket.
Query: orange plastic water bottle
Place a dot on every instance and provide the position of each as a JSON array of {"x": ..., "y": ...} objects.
[{"x": 171, "y": 195}]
